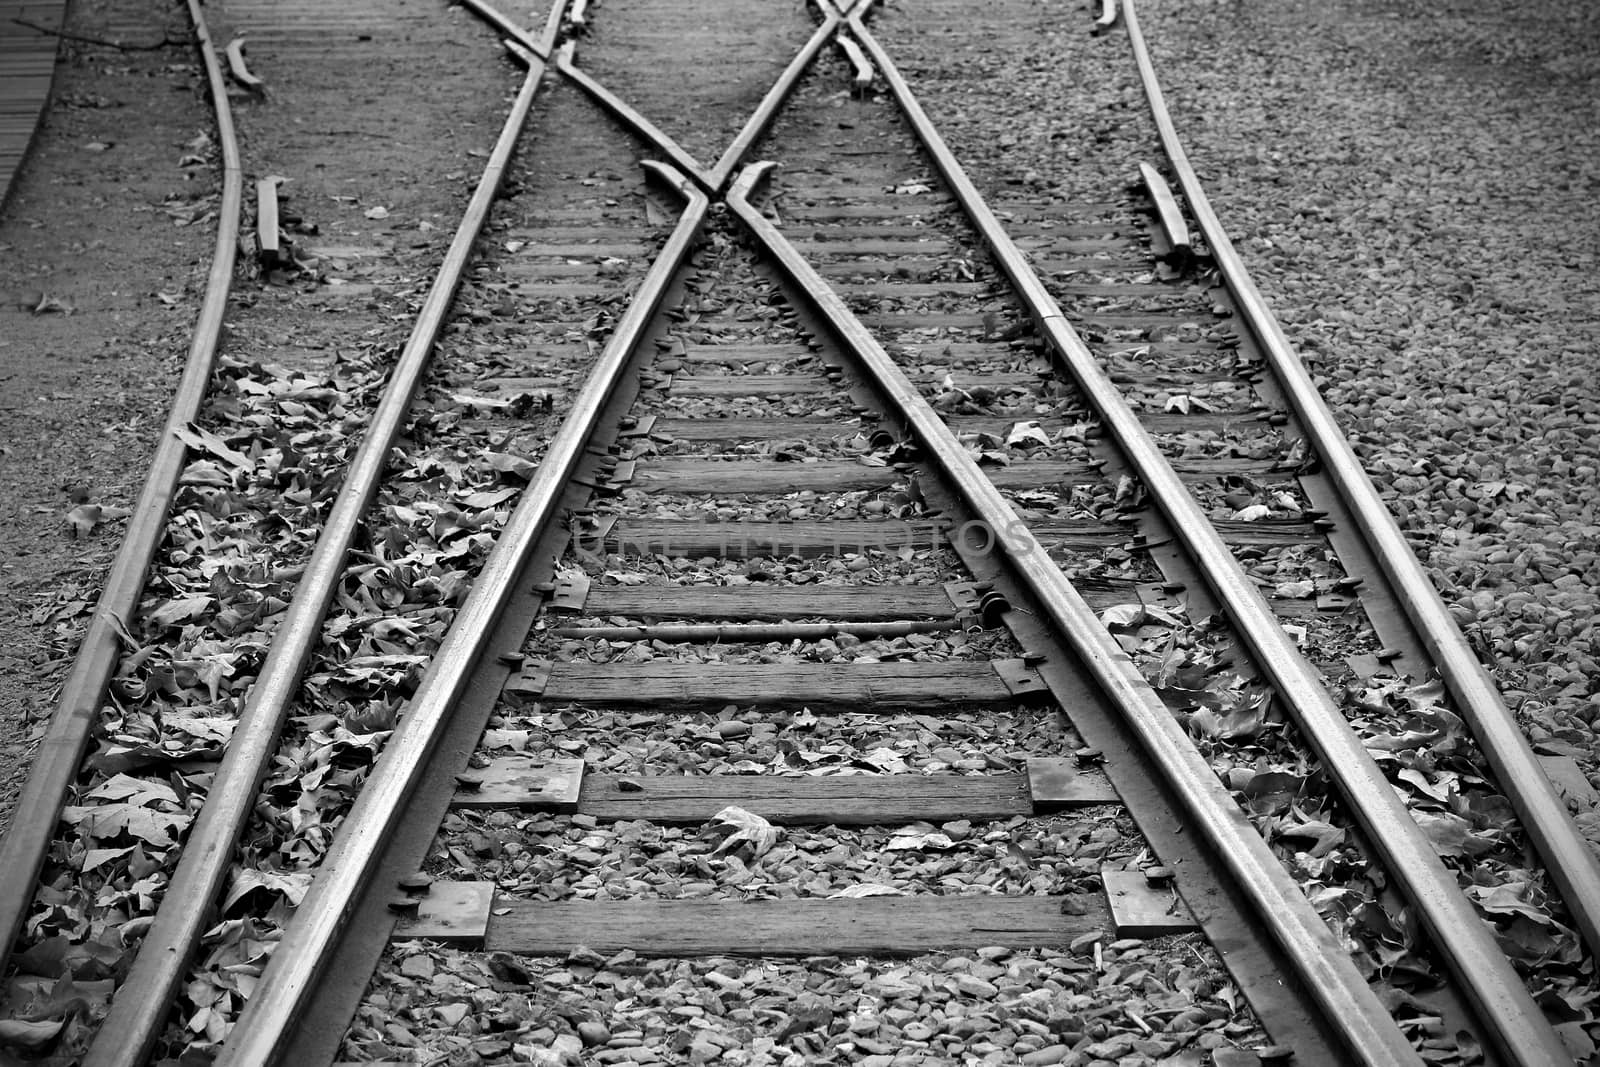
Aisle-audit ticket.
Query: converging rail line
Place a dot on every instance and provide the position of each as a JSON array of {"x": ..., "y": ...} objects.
[{"x": 864, "y": 566}]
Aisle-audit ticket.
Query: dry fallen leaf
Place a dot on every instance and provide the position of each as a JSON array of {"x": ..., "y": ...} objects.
[
  {"x": 85, "y": 517},
  {"x": 743, "y": 828}
]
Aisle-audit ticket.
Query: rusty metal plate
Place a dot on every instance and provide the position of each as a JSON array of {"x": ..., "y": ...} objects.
[
  {"x": 1142, "y": 909},
  {"x": 450, "y": 911},
  {"x": 522, "y": 782}
]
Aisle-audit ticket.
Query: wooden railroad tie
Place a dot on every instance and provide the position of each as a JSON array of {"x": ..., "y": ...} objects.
[{"x": 1133, "y": 904}]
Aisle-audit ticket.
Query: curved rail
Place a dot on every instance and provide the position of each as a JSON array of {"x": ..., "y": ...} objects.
[
  {"x": 290, "y": 976},
  {"x": 1569, "y": 859},
  {"x": 1462, "y": 937},
  {"x": 139, "y": 1010},
  {"x": 1360, "y": 1018},
  {"x": 60, "y": 755}
]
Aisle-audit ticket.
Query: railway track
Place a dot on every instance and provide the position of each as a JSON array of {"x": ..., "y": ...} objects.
[{"x": 884, "y": 579}]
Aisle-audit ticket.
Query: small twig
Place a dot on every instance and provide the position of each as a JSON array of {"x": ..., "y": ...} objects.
[
  {"x": 165, "y": 42},
  {"x": 354, "y": 133}
]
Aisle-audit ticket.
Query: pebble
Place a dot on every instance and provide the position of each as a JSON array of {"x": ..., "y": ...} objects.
[
  {"x": 593, "y": 1033},
  {"x": 452, "y": 1014},
  {"x": 418, "y": 966},
  {"x": 638, "y": 1054},
  {"x": 976, "y": 987}
]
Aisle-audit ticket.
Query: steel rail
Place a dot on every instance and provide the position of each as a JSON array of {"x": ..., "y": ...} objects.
[
  {"x": 140, "y": 1008},
  {"x": 1459, "y": 933},
  {"x": 1567, "y": 856},
  {"x": 1322, "y": 961},
  {"x": 56, "y": 764},
  {"x": 291, "y": 974}
]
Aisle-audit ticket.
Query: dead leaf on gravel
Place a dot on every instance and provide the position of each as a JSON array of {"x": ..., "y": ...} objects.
[
  {"x": 887, "y": 760},
  {"x": 59, "y": 955},
  {"x": 909, "y": 838},
  {"x": 1570, "y": 781},
  {"x": 1451, "y": 835},
  {"x": 867, "y": 889},
  {"x": 181, "y": 610},
  {"x": 109, "y": 820},
  {"x": 85, "y": 517},
  {"x": 1326, "y": 836},
  {"x": 1577, "y": 1040},
  {"x": 1271, "y": 791},
  {"x": 48, "y": 304},
  {"x": 1440, "y": 786},
  {"x": 515, "y": 466},
  {"x": 291, "y": 884},
  {"x": 132, "y": 790},
  {"x": 743, "y": 828},
  {"x": 1506, "y": 899},
  {"x": 95, "y": 858},
  {"x": 1023, "y": 434},
  {"x": 23, "y": 1033},
  {"x": 202, "y": 440},
  {"x": 1122, "y": 615}
]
